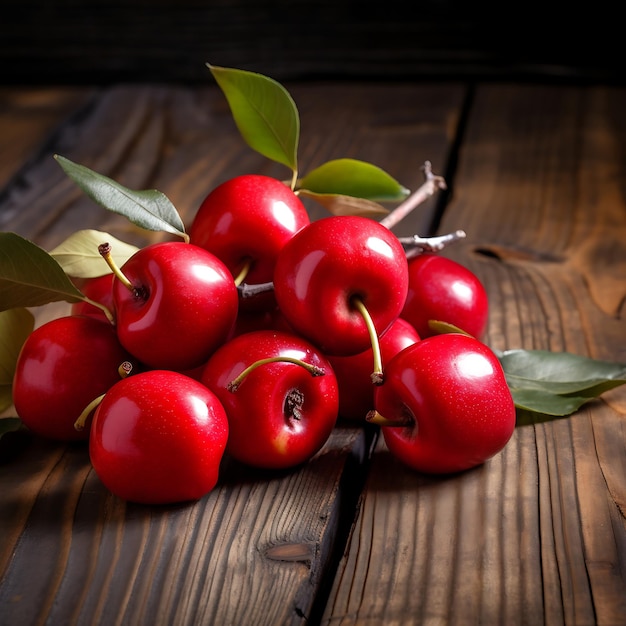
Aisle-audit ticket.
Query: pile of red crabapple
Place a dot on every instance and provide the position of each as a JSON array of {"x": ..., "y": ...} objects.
[{"x": 254, "y": 338}]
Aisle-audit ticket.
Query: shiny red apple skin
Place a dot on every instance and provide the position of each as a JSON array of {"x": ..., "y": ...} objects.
[
  {"x": 186, "y": 309},
  {"x": 249, "y": 218},
  {"x": 444, "y": 290},
  {"x": 158, "y": 437},
  {"x": 325, "y": 265},
  {"x": 263, "y": 432},
  {"x": 454, "y": 388},
  {"x": 63, "y": 365},
  {"x": 356, "y": 391}
]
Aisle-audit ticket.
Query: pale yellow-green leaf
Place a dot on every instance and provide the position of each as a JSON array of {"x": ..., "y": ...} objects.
[
  {"x": 79, "y": 257},
  {"x": 15, "y": 327},
  {"x": 441, "y": 328}
]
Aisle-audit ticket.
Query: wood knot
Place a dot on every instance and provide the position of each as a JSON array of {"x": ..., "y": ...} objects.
[{"x": 300, "y": 552}]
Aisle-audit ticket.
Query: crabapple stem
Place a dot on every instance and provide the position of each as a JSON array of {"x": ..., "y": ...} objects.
[
  {"x": 105, "y": 252},
  {"x": 234, "y": 384},
  {"x": 421, "y": 194},
  {"x": 102, "y": 307},
  {"x": 417, "y": 245},
  {"x": 374, "y": 417},
  {"x": 294, "y": 179},
  {"x": 79, "y": 424},
  {"x": 125, "y": 369},
  {"x": 377, "y": 374},
  {"x": 243, "y": 273}
]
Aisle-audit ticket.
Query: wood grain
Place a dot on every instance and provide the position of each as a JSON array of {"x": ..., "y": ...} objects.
[
  {"x": 535, "y": 536},
  {"x": 184, "y": 142},
  {"x": 538, "y": 534},
  {"x": 252, "y": 549},
  {"x": 28, "y": 118},
  {"x": 261, "y": 548}
]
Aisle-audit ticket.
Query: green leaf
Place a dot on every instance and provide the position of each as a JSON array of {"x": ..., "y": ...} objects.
[
  {"x": 559, "y": 367},
  {"x": 149, "y": 209},
  {"x": 595, "y": 386},
  {"x": 30, "y": 277},
  {"x": 351, "y": 177},
  {"x": 541, "y": 401},
  {"x": 557, "y": 383},
  {"x": 337, "y": 204},
  {"x": 10, "y": 424},
  {"x": 79, "y": 257},
  {"x": 264, "y": 112},
  {"x": 15, "y": 327}
]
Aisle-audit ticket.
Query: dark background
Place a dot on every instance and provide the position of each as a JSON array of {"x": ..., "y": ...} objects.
[{"x": 72, "y": 41}]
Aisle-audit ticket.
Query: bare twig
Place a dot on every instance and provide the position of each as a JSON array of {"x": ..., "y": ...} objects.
[
  {"x": 418, "y": 245},
  {"x": 249, "y": 291},
  {"x": 432, "y": 184}
]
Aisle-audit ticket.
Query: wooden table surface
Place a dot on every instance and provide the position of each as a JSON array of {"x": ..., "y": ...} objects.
[{"x": 537, "y": 535}]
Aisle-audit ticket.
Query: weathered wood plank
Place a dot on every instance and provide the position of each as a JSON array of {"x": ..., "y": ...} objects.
[
  {"x": 258, "y": 548},
  {"x": 27, "y": 118},
  {"x": 252, "y": 549},
  {"x": 538, "y": 534},
  {"x": 184, "y": 142}
]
